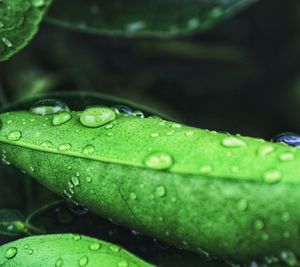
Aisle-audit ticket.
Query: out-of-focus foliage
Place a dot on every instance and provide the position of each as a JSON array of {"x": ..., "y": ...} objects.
[
  {"x": 19, "y": 21},
  {"x": 153, "y": 18}
]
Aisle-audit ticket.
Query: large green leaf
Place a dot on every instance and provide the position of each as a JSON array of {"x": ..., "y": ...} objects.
[
  {"x": 19, "y": 21},
  {"x": 199, "y": 190},
  {"x": 66, "y": 250},
  {"x": 162, "y": 18}
]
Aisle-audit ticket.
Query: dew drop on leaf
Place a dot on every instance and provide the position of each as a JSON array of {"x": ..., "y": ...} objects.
[
  {"x": 61, "y": 118},
  {"x": 95, "y": 246},
  {"x": 11, "y": 252},
  {"x": 14, "y": 136},
  {"x": 59, "y": 262},
  {"x": 233, "y": 142},
  {"x": 159, "y": 161},
  {"x": 48, "y": 107},
  {"x": 94, "y": 117}
]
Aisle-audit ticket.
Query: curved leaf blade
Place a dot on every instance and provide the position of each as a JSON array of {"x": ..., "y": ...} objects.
[
  {"x": 19, "y": 22},
  {"x": 143, "y": 18},
  {"x": 204, "y": 189},
  {"x": 66, "y": 250}
]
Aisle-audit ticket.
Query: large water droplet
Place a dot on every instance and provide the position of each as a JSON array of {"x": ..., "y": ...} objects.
[
  {"x": 159, "y": 161},
  {"x": 291, "y": 139},
  {"x": 232, "y": 141},
  {"x": 48, "y": 107},
  {"x": 11, "y": 252},
  {"x": 61, "y": 118},
  {"x": 14, "y": 136},
  {"x": 97, "y": 116}
]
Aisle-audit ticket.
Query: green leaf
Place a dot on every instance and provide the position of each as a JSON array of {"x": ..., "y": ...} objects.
[
  {"x": 198, "y": 189},
  {"x": 66, "y": 250},
  {"x": 143, "y": 18},
  {"x": 19, "y": 21}
]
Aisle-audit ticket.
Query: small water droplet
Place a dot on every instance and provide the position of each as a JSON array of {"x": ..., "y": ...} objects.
[
  {"x": 30, "y": 251},
  {"x": 287, "y": 156},
  {"x": 61, "y": 118},
  {"x": 133, "y": 196},
  {"x": 11, "y": 252},
  {"x": 88, "y": 179},
  {"x": 75, "y": 180},
  {"x": 159, "y": 161},
  {"x": 265, "y": 150},
  {"x": 123, "y": 263},
  {"x": 59, "y": 262},
  {"x": 83, "y": 261},
  {"x": 206, "y": 169},
  {"x": 95, "y": 246},
  {"x": 115, "y": 248},
  {"x": 138, "y": 114},
  {"x": 259, "y": 224},
  {"x": 64, "y": 147},
  {"x": 233, "y": 142},
  {"x": 94, "y": 117},
  {"x": 7, "y": 42},
  {"x": 14, "y": 136},
  {"x": 76, "y": 237},
  {"x": 242, "y": 204},
  {"x": 285, "y": 216},
  {"x": 48, "y": 107},
  {"x": 88, "y": 150},
  {"x": 38, "y": 3},
  {"x": 272, "y": 176},
  {"x": 160, "y": 191}
]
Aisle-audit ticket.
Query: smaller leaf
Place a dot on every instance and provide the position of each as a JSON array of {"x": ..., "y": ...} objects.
[
  {"x": 66, "y": 250},
  {"x": 19, "y": 21}
]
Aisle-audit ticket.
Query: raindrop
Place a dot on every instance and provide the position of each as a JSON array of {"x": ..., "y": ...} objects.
[
  {"x": 14, "y": 136},
  {"x": 159, "y": 161},
  {"x": 233, "y": 142},
  {"x": 83, "y": 261},
  {"x": 94, "y": 117},
  {"x": 119, "y": 109},
  {"x": 272, "y": 176},
  {"x": 88, "y": 150},
  {"x": 265, "y": 150},
  {"x": 76, "y": 237},
  {"x": 59, "y": 262},
  {"x": 95, "y": 246},
  {"x": 133, "y": 196},
  {"x": 64, "y": 147},
  {"x": 160, "y": 191},
  {"x": 291, "y": 139},
  {"x": 115, "y": 248},
  {"x": 287, "y": 156},
  {"x": 7, "y": 42},
  {"x": 61, "y": 118},
  {"x": 242, "y": 205},
  {"x": 11, "y": 252},
  {"x": 123, "y": 263},
  {"x": 259, "y": 225},
  {"x": 138, "y": 114},
  {"x": 75, "y": 180},
  {"x": 48, "y": 107}
]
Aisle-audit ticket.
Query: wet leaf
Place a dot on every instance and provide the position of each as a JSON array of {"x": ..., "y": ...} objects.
[
  {"x": 19, "y": 22},
  {"x": 143, "y": 18}
]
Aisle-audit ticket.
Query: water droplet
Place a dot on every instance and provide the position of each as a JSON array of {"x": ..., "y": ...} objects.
[
  {"x": 135, "y": 26},
  {"x": 119, "y": 109},
  {"x": 272, "y": 176},
  {"x": 159, "y": 161},
  {"x": 76, "y": 237},
  {"x": 133, "y": 196},
  {"x": 88, "y": 179},
  {"x": 265, "y": 150},
  {"x": 83, "y": 261},
  {"x": 46, "y": 144},
  {"x": 14, "y": 136},
  {"x": 94, "y": 117},
  {"x": 11, "y": 252},
  {"x": 75, "y": 180},
  {"x": 59, "y": 262},
  {"x": 206, "y": 169},
  {"x": 88, "y": 150},
  {"x": 123, "y": 263},
  {"x": 259, "y": 225},
  {"x": 115, "y": 248},
  {"x": 48, "y": 107},
  {"x": 289, "y": 258},
  {"x": 160, "y": 191},
  {"x": 242, "y": 204},
  {"x": 154, "y": 135},
  {"x": 7, "y": 42},
  {"x": 290, "y": 139},
  {"x": 64, "y": 147},
  {"x": 61, "y": 118},
  {"x": 30, "y": 251},
  {"x": 95, "y": 246},
  {"x": 287, "y": 156},
  {"x": 138, "y": 114},
  {"x": 232, "y": 141}
]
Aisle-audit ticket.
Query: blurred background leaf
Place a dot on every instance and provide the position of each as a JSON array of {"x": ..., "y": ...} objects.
[
  {"x": 162, "y": 18},
  {"x": 19, "y": 21}
]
